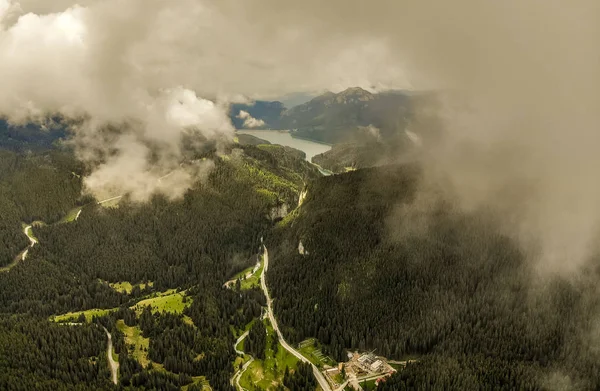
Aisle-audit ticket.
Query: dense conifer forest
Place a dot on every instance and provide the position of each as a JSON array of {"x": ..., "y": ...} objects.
[
  {"x": 34, "y": 187},
  {"x": 440, "y": 285},
  {"x": 192, "y": 245}
]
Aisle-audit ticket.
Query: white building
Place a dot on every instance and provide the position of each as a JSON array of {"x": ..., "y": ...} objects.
[{"x": 376, "y": 366}]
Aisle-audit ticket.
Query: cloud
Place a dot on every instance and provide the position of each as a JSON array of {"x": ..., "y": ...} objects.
[
  {"x": 519, "y": 119},
  {"x": 249, "y": 121},
  {"x": 158, "y": 70},
  {"x": 371, "y": 131}
]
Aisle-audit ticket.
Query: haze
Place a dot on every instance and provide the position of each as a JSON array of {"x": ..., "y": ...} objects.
[{"x": 519, "y": 115}]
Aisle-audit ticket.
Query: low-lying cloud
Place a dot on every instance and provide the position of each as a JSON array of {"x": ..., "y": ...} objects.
[
  {"x": 156, "y": 71},
  {"x": 519, "y": 117},
  {"x": 250, "y": 121}
]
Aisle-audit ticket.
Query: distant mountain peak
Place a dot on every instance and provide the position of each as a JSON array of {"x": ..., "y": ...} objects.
[
  {"x": 355, "y": 91},
  {"x": 354, "y": 95},
  {"x": 324, "y": 96}
]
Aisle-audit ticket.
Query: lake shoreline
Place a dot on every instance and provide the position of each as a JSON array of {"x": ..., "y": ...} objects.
[{"x": 286, "y": 138}]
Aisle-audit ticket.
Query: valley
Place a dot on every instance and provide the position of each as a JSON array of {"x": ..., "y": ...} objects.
[
  {"x": 154, "y": 307},
  {"x": 263, "y": 195},
  {"x": 254, "y": 280}
]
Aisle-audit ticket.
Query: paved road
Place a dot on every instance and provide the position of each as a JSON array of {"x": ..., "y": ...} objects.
[
  {"x": 32, "y": 241},
  {"x": 97, "y": 203},
  {"x": 23, "y": 254},
  {"x": 237, "y": 376},
  {"x": 318, "y": 375},
  {"x": 109, "y": 199},
  {"x": 342, "y": 386},
  {"x": 240, "y": 339},
  {"x": 114, "y": 366}
]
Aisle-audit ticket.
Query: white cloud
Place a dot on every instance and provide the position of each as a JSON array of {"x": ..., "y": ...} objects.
[
  {"x": 526, "y": 71},
  {"x": 249, "y": 121}
]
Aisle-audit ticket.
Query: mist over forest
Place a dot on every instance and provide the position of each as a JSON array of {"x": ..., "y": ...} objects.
[{"x": 445, "y": 240}]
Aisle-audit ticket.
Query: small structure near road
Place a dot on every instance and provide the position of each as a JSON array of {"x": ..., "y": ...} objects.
[
  {"x": 376, "y": 366},
  {"x": 359, "y": 367}
]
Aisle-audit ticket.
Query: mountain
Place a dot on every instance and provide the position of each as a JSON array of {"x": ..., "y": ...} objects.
[
  {"x": 330, "y": 117},
  {"x": 392, "y": 143},
  {"x": 248, "y": 139},
  {"x": 369, "y": 262},
  {"x": 335, "y": 118},
  {"x": 368, "y": 152},
  {"x": 365, "y": 260}
]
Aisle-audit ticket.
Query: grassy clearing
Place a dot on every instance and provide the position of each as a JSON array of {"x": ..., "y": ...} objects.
[
  {"x": 311, "y": 349},
  {"x": 252, "y": 281},
  {"x": 188, "y": 320},
  {"x": 74, "y": 316},
  {"x": 134, "y": 338},
  {"x": 29, "y": 233},
  {"x": 239, "y": 362},
  {"x": 265, "y": 179},
  {"x": 169, "y": 301},
  {"x": 127, "y": 287},
  {"x": 114, "y": 203},
  {"x": 115, "y": 356},
  {"x": 240, "y": 346},
  {"x": 368, "y": 385},
  {"x": 268, "y": 373},
  {"x": 71, "y": 215},
  {"x": 269, "y": 195},
  {"x": 237, "y": 332},
  {"x": 397, "y": 367},
  {"x": 287, "y": 220},
  {"x": 243, "y": 273},
  {"x": 200, "y": 381}
]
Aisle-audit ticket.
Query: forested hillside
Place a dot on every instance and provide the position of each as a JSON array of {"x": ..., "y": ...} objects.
[
  {"x": 365, "y": 151},
  {"x": 335, "y": 118},
  {"x": 32, "y": 137},
  {"x": 379, "y": 271},
  {"x": 192, "y": 245},
  {"x": 34, "y": 187}
]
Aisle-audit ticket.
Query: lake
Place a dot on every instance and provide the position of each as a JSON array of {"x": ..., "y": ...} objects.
[{"x": 310, "y": 148}]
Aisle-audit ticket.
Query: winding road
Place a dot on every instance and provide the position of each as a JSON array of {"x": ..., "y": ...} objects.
[
  {"x": 109, "y": 199},
  {"x": 318, "y": 375},
  {"x": 235, "y": 379},
  {"x": 23, "y": 254},
  {"x": 114, "y": 366},
  {"x": 32, "y": 242}
]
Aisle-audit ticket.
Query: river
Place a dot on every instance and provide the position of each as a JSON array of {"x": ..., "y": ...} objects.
[{"x": 310, "y": 148}]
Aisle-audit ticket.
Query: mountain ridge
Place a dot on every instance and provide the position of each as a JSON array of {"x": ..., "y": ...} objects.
[{"x": 332, "y": 117}]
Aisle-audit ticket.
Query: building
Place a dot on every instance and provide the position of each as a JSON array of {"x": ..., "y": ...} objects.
[{"x": 376, "y": 366}]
